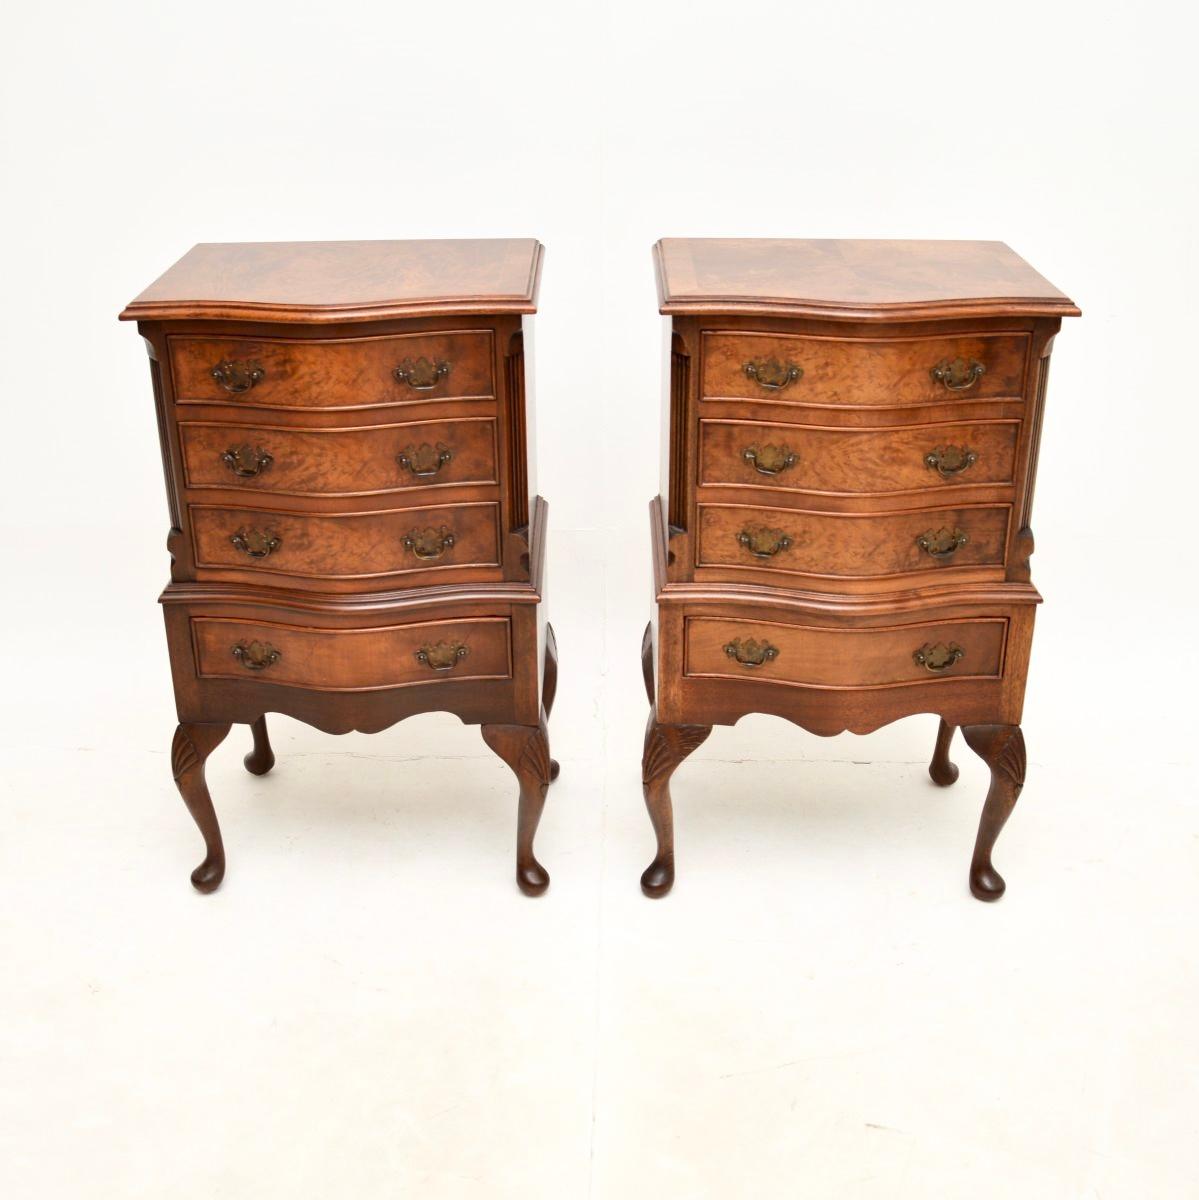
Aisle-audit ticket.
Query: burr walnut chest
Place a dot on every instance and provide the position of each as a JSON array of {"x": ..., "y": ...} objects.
[
  {"x": 355, "y": 531},
  {"x": 843, "y": 533}
]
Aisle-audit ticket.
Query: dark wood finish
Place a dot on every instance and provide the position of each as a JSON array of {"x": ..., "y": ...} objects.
[
  {"x": 1001, "y": 747},
  {"x": 190, "y": 748},
  {"x": 844, "y": 533},
  {"x": 526, "y": 750},
  {"x": 941, "y": 769},
  {"x": 343, "y": 430},
  {"x": 665, "y": 748},
  {"x": 262, "y": 758},
  {"x": 549, "y": 687}
]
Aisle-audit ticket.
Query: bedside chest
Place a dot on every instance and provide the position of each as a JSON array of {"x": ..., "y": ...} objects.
[
  {"x": 355, "y": 537},
  {"x": 843, "y": 535}
]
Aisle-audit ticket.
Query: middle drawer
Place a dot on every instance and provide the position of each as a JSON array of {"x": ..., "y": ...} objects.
[
  {"x": 354, "y": 461},
  {"x": 841, "y": 460}
]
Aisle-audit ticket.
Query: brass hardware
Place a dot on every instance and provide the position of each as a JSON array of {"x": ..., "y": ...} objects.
[
  {"x": 246, "y": 461},
  {"x": 751, "y": 653},
  {"x": 762, "y": 542},
  {"x": 429, "y": 542},
  {"x": 424, "y": 461},
  {"x": 255, "y": 543},
  {"x": 769, "y": 459},
  {"x": 237, "y": 375},
  {"x": 950, "y": 460},
  {"x": 958, "y": 374},
  {"x": 772, "y": 374},
  {"x": 256, "y": 655},
  {"x": 421, "y": 375},
  {"x": 442, "y": 656},
  {"x": 939, "y": 657},
  {"x": 943, "y": 542}
]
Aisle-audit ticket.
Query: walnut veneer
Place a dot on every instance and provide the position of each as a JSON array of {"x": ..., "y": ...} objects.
[
  {"x": 356, "y": 535},
  {"x": 843, "y": 535}
]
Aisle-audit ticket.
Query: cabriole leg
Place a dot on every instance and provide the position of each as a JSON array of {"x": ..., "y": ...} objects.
[
  {"x": 192, "y": 745},
  {"x": 665, "y": 747},
  {"x": 1001, "y": 747},
  {"x": 942, "y": 771},
  {"x": 549, "y": 685},
  {"x": 526, "y": 749},
  {"x": 260, "y": 760}
]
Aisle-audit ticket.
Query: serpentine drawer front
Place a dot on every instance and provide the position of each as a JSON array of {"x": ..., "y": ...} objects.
[
  {"x": 353, "y": 537},
  {"x": 843, "y": 536}
]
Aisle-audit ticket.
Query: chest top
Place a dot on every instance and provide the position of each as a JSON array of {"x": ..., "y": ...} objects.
[
  {"x": 313, "y": 282},
  {"x": 855, "y": 280}
]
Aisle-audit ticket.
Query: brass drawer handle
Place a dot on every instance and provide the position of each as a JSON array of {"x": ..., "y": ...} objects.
[
  {"x": 246, "y": 461},
  {"x": 958, "y": 374},
  {"x": 424, "y": 461},
  {"x": 769, "y": 459},
  {"x": 256, "y": 655},
  {"x": 950, "y": 460},
  {"x": 421, "y": 375},
  {"x": 751, "y": 653},
  {"x": 429, "y": 543},
  {"x": 942, "y": 543},
  {"x": 442, "y": 656},
  {"x": 762, "y": 542},
  {"x": 238, "y": 375},
  {"x": 772, "y": 374},
  {"x": 939, "y": 657},
  {"x": 255, "y": 543}
]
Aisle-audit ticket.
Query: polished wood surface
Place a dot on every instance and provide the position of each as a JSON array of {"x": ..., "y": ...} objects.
[
  {"x": 852, "y": 550},
  {"x": 342, "y": 373},
  {"x": 870, "y": 279},
  {"x": 411, "y": 456},
  {"x": 354, "y": 539},
  {"x": 786, "y": 458},
  {"x": 361, "y": 659},
  {"x": 812, "y": 656},
  {"x": 313, "y": 282},
  {"x": 862, "y": 372},
  {"x": 352, "y": 546},
  {"x": 843, "y": 537}
]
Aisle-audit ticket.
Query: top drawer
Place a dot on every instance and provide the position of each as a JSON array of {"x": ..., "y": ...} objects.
[
  {"x": 863, "y": 372},
  {"x": 339, "y": 373}
]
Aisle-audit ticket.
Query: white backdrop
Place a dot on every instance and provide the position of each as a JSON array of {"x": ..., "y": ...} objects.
[{"x": 1067, "y": 130}]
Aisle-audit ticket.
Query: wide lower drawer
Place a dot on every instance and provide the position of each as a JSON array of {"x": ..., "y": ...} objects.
[
  {"x": 882, "y": 372},
  {"x": 851, "y": 546},
  {"x": 339, "y": 462},
  {"x": 349, "y": 545},
  {"x": 856, "y": 461},
  {"x": 332, "y": 373},
  {"x": 341, "y": 660},
  {"x": 845, "y": 658}
]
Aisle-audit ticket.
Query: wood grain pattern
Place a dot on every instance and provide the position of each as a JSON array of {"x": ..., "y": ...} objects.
[
  {"x": 812, "y": 656},
  {"x": 858, "y": 279},
  {"x": 864, "y": 360},
  {"x": 346, "y": 546},
  {"x": 361, "y": 659},
  {"x": 869, "y": 462},
  {"x": 315, "y": 282},
  {"x": 875, "y": 372},
  {"x": 340, "y": 373},
  {"x": 341, "y": 461},
  {"x": 847, "y": 547}
]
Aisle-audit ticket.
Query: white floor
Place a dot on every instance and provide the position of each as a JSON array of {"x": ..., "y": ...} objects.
[{"x": 369, "y": 1008}]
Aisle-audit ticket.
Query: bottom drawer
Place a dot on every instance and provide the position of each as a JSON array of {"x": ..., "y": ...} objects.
[
  {"x": 844, "y": 658},
  {"x": 349, "y": 660}
]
